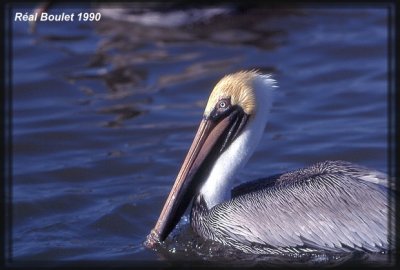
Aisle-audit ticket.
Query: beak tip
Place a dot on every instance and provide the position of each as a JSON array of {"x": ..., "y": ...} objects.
[{"x": 152, "y": 239}]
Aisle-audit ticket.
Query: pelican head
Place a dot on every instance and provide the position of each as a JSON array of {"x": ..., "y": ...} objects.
[{"x": 232, "y": 125}]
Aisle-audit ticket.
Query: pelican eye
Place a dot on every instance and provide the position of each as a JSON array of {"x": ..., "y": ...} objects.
[
  {"x": 222, "y": 108},
  {"x": 223, "y": 104}
]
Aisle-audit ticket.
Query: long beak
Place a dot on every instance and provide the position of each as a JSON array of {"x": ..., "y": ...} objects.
[{"x": 211, "y": 138}]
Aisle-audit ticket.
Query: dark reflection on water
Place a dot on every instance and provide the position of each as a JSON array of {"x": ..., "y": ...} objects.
[{"x": 103, "y": 114}]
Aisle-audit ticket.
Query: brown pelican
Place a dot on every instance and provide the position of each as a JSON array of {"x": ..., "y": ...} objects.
[{"x": 329, "y": 206}]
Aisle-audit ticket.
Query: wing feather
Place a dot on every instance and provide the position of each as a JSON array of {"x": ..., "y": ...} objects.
[{"x": 330, "y": 205}]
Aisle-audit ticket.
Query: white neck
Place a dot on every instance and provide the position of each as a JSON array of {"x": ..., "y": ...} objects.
[{"x": 216, "y": 188}]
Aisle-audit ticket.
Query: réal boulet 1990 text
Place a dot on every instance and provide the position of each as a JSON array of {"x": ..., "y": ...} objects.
[{"x": 63, "y": 17}]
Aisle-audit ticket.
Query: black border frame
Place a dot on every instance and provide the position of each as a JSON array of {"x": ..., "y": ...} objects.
[{"x": 7, "y": 150}]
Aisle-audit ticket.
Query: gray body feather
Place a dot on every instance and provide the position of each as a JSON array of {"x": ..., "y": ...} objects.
[{"x": 332, "y": 205}]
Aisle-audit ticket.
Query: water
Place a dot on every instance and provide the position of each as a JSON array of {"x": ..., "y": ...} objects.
[{"x": 103, "y": 114}]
